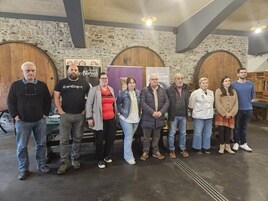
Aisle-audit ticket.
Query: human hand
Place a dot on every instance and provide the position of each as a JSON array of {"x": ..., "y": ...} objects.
[
  {"x": 90, "y": 123},
  {"x": 228, "y": 116},
  {"x": 17, "y": 118}
]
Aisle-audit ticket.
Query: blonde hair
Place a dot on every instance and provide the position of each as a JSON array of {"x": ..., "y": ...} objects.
[{"x": 202, "y": 79}]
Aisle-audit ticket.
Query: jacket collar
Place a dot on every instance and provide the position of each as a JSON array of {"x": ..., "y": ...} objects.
[
  {"x": 184, "y": 86},
  {"x": 25, "y": 81}
]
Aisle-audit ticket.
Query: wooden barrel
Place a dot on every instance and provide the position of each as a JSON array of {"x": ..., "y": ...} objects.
[
  {"x": 139, "y": 56},
  {"x": 215, "y": 65},
  {"x": 12, "y": 56}
]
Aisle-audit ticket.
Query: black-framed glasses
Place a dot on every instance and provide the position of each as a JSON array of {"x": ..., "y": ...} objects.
[{"x": 30, "y": 89}]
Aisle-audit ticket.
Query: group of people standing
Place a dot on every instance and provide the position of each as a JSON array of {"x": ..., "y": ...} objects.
[
  {"x": 233, "y": 110},
  {"x": 29, "y": 102}
]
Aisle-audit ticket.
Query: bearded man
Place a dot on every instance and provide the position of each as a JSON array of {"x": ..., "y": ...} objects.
[{"x": 69, "y": 97}]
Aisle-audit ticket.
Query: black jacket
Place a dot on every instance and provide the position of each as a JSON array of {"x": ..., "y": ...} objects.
[
  {"x": 31, "y": 101},
  {"x": 148, "y": 107},
  {"x": 178, "y": 105}
]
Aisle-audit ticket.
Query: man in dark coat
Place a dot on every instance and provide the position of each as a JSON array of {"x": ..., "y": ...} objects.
[
  {"x": 177, "y": 114},
  {"x": 154, "y": 103}
]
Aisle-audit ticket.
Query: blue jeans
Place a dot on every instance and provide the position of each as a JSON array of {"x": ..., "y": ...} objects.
[
  {"x": 179, "y": 122},
  {"x": 129, "y": 130},
  {"x": 241, "y": 122},
  {"x": 23, "y": 133},
  {"x": 71, "y": 125},
  {"x": 202, "y": 133}
]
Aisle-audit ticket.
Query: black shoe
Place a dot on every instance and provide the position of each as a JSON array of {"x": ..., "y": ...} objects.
[
  {"x": 206, "y": 151},
  {"x": 23, "y": 175},
  {"x": 101, "y": 164},
  {"x": 198, "y": 151},
  {"x": 108, "y": 160}
]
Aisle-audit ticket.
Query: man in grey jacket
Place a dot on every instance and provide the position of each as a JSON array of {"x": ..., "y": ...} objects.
[{"x": 154, "y": 103}]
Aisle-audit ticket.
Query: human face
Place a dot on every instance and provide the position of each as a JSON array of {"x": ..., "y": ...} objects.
[
  {"x": 154, "y": 81},
  {"x": 103, "y": 80},
  {"x": 29, "y": 72},
  {"x": 226, "y": 83},
  {"x": 179, "y": 80},
  {"x": 204, "y": 85},
  {"x": 131, "y": 85},
  {"x": 242, "y": 74},
  {"x": 73, "y": 72}
]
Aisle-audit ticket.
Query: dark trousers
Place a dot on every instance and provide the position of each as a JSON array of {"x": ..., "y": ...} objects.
[
  {"x": 105, "y": 139},
  {"x": 224, "y": 134},
  {"x": 241, "y": 123}
]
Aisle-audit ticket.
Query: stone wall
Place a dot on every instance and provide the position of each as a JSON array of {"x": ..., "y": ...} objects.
[{"x": 106, "y": 42}]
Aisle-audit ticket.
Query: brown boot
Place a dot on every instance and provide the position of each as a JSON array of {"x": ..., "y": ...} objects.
[
  {"x": 144, "y": 156},
  {"x": 172, "y": 154},
  {"x": 222, "y": 146},
  {"x": 158, "y": 155},
  {"x": 228, "y": 149},
  {"x": 184, "y": 154}
]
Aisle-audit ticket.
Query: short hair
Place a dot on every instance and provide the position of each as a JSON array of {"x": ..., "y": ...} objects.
[
  {"x": 239, "y": 69},
  {"x": 129, "y": 79},
  {"x": 178, "y": 74},
  {"x": 102, "y": 73},
  {"x": 202, "y": 79},
  {"x": 72, "y": 65},
  {"x": 154, "y": 74},
  {"x": 26, "y": 64}
]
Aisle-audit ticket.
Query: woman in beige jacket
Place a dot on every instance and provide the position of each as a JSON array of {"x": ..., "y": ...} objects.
[{"x": 226, "y": 104}]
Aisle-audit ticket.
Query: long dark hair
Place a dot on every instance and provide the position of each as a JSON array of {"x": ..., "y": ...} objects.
[{"x": 223, "y": 90}]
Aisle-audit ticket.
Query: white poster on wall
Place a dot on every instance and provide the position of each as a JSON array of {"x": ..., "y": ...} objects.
[{"x": 163, "y": 75}]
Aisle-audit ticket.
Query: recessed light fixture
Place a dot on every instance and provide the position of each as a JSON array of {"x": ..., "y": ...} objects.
[{"x": 149, "y": 20}]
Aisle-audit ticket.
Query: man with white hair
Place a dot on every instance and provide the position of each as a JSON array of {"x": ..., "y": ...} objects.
[
  {"x": 154, "y": 104},
  {"x": 29, "y": 102}
]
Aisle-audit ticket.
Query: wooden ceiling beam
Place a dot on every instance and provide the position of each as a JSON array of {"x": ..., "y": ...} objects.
[
  {"x": 193, "y": 31},
  {"x": 75, "y": 16}
]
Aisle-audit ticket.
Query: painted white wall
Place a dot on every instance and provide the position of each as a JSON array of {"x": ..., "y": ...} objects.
[{"x": 257, "y": 63}]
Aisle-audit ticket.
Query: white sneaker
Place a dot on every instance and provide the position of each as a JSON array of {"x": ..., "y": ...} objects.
[
  {"x": 131, "y": 162},
  {"x": 236, "y": 147},
  {"x": 246, "y": 147}
]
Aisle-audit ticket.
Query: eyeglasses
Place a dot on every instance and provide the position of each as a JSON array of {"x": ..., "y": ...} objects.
[
  {"x": 30, "y": 89},
  {"x": 29, "y": 70},
  {"x": 104, "y": 78}
]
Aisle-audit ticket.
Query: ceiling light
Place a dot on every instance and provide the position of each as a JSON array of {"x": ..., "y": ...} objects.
[
  {"x": 149, "y": 20},
  {"x": 258, "y": 29}
]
